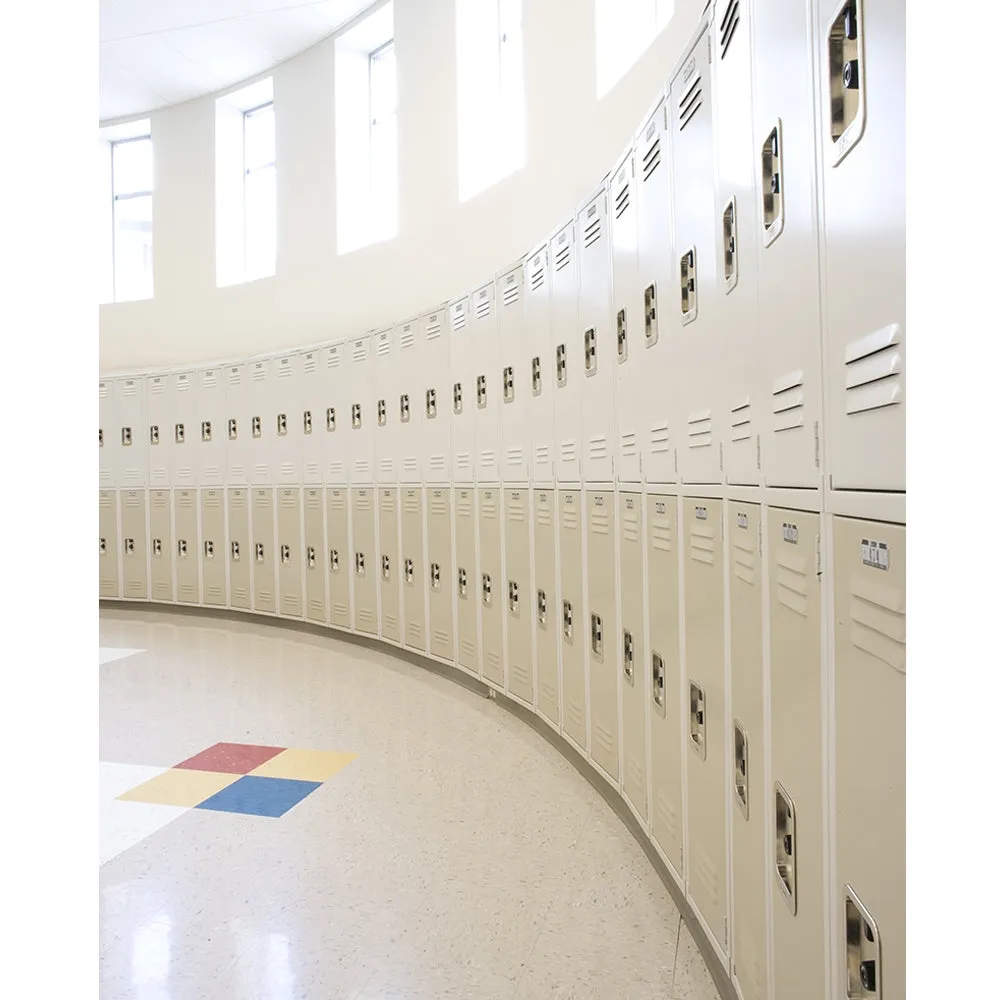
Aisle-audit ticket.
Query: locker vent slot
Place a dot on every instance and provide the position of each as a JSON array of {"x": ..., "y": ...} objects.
[
  {"x": 360, "y": 353},
  {"x": 659, "y": 683},
  {"x": 649, "y": 315},
  {"x": 622, "y": 195},
  {"x": 622, "y": 323},
  {"x": 689, "y": 285},
  {"x": 384, "y": 345},
  {"x": 590, "y": 350},
  {"x": 730, "y": 258},
  {"x": 788, "y": 401},
  {"x": 741, "y": 775},
  {"x": 628, "y": 656},
  {"x": 309, "y": 363},
  {"x": 864, "y": 950},
  {"x": 845, "y": 51},
  {"x": 537, "y": 277},
  {"x": 873, "y": 368},
  {"x": 484, "y": 304},
  {"x": 511, "y": 290},
  {"x": 333, "y": 358},
  {"x": 563, "y": 253},
  {"x": 700, "y": 429},
  {"x": 592, "y": 229},
  {"x": 690, "y": 102},
  {"x": 696, "y": 724},
  {"x": 727, "y": 28},
  {"x": 536, "y": 376},
  {"x": 785, "y": 846},
  {"x": 740, "y": 421},
  {"x": 772, "y": 186},
  {"x": 651, "y": 157},
  {"x": 433, "y": 329},
  {"x": 458, "y": 318}
]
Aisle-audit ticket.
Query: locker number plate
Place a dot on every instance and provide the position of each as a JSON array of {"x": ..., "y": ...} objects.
[{"x": 874, "y": 554}]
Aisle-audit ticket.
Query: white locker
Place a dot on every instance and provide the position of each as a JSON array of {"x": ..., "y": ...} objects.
[
  {"x": 414, "y": 568},
  {"x": 490, "y": 585},
  {"x": 161, "y": 430},
  {"x": 314, "y": 558},
  {"x": 290, "y": 551},
  {"x": 389, "y": 564},
  {"x": 633, "y": 651},
  {"x": 361, "y": 392},
  {"x": 109, "y": 450},
  {"x": 310, "y": 417},
  {"x": 518, "y": 594},
  {"x": 466, "y": 581},
  {"x": 566, "y": 353},
  {"x": 515, "y": 378},
  {"x": 262, "y": 447},
  {"x": 536, "y": 365},
  {"x": 411, "y": 403},
  {"x": 237, "y": 427},
  {"x": 462, "y": 395},
  {"x": 186, "y": 547},
  {"x": 786, "y": 226},
  {"x": 240, "y": 550},
  {"x": 338, "y": 557},
  {"x": 596, "y": 341},
  {"x": 213, "y": 546},
  {"x": 488, "y": 390},
  {"x": 135, "y": 575},
  {"x": 437, "y": 397},
  {"x": 863, "y": 147},
  {"x": 384, "y": 380},
  {"x": 265, "y": 579},
  {"x": 572, "y": 627},
  {"x": 287, "y": 375},
  {"x": 336, "y": 415},
  {"x": 131, "y": 436},
  {"x": 110, "y": 580},
  {"x": 363, "y": 560},
  {"x": 184, "y": 434},
  {"x": 546, "y": 604},
  {"x": 161, "y": 547},
  {"x": 210, "y": 440},
  {"x": 440, "y": 574}
]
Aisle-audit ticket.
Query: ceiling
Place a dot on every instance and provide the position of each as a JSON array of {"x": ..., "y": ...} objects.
[{"x": 160, "y": 52}]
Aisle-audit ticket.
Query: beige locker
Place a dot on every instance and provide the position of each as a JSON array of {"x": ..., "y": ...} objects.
[
  {"x": 746, "y": 743},
  {"x": 109, "y": 578},
  {"x": 571, "y": 624},
  {"x": 388, "y": 558},
  {"x": 313, "y": 560},
  {"x": 414, "y": 569},
  {"x": 666, "y": 704},
  {"x": 289, "y": 559},
  {"x": 338, "y": 559},
  {"x": 466, "y": 584},
  {"x": 186, "y": 546},
  {"x": 491, "y": 594},
  {"x": 440, "y": 583},
  {"x": 135, "y": 576},
  {"x": 161, "y": 546},
  {"x": 517, "y": 595},
  {"x": 546, "y": 607},
  {"x": 796, "y": 821},
  {"x": 704, "y": 708},
  {"x": 264, "y": 573},
  {"x": 240, "y": 553},
  {"x": 363, "y": 560},
  {"x": 213, "y": 547},
  {"x": 870, "y": 758},
  {"x": 633, "y": 652},
  {"x": 602, "y": 630}
]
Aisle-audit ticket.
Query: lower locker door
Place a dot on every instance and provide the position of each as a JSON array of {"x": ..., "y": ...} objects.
[
  {"x": 573, "y": 631},
  {"x": 108, "y": 517},
  {"x": 491, "y": 585},
  {"x": 414, "y": 569},
  {"x": 186, "y": 547},
  {"x": 633, "y": 651},
  {"x": 161, "y": 546},
  {"x": 389, "y": 568},
  {"x": 546, "y": 605},
  {"x": 364, "y": 561},
  {"x": 338, "y": 557},
  {"x": 440, "y": 574},
  {"x": 240, "y": 553},
  {"x": 135, "y": 575},
  {"x": 289, "y": 552},
  {"x": 466, "y": 584},
  {"x": 315, "y": 562},
  {"x": 517, "y": 595},
  {"x": 213, "y": 547},
  {"x": 264, "y": 570}
]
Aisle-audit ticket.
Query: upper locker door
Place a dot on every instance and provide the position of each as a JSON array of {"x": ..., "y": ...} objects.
[
  {"x": 260, "y": 422},
  {"x": 131, "y": 437},
  {"x": 361, "y": 394},
  {"x": 109, "y": 452},
  {"x": 737, "y": 220},
  {"x": 786, "y": 227},
  {"x": 309, "y": 415},
  {"x": 335, "y": 412},
  {"x": 237, "y": 426},
  {"x": 515, "y": 374},
  {"x": 567, "y": 373},
  {"x": 595, "y": 341},
  {"x": 536, "y": 368},
  {"x": 287, "y": 417},
  {"x": 211, "y": 429},
  {"x": 485, "y": 344},
  {"x": 160, "y": 431},
  {"x": 462, "y": 394},
  {"x": 436, "y": 384},
  {"x": 184, "y": 433},
  {"x": 862, "y": 66},
  {"x": 386, "y": 414},
  {"x": 410, "y": 402}
]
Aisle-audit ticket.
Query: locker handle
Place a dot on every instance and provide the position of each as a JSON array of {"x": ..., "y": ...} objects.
[
  {"x": 463, "y": 583},
  {"x": 231, "y": 430},
  {"x": 311, "y": 557},
  {"x": 628, "y": 656},
  {"x": 741, "y": 769},
  {"x": 622, "y": 335},
  {"x": 286, "y": 554},
  {"x": 785, "y": 846},
  {"x": 334, "y": 561},
  {"x": 845, "y": 71},
  {"x": 542, "y": 604},
  {"x": 568, "y": 620},
  {"x": 730, "y": 256},
  {"x": 359, "y": 563},
  {"x": 209, "y": 549},
  {"x": 512, "y": 597},
  {"x": 659, "y": 683},
  {"x": 157, "y": 547},
  {"x": 234, "y": 551},
  {"x": 127, "y": 437},
  {"x": 385, "y": 568},
  {"x": 129, "y": 546},
  {"x": 259, "y": 552},
  {"x": 104, "y": 547},
  {"x": 408, "y": 571},
  {"x": 597, "y": 636},
  {"x": 863, "y": 945},
  {"x": 649, "y": 309},
  {"x": 487, "y": 589},
  {"x": 771, "y": 188},
  {"x": 696, "y": 720},
  {"x": 435, "y": 576}
]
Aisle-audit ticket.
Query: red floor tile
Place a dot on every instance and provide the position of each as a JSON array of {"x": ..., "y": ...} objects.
[{"x": 230, "y": 758}]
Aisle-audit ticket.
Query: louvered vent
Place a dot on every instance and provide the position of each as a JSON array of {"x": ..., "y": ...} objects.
[
  {"x": 406, "y": 337},
  {"x": 259, "y": 371},
  {"x": 563, "y": 252},
  {"x": 309, "y": 363},
  {"x": 383, "y": 345},
  {"x": 727, "y": 29},
  {"x": 209, "y": 379},
  {"x": 130, "y": 388},
  {"x": 285, "y": 368},
  {"x": 483, "y": 304},
  {"x": 651, "y": 155},
  {"x": 458, "y": 316},
  {"x": 537, "y": 275},
  {"x": 873, "y": 370},
  {"x": 622, "y": 194},
  {"x": 360, "y": 350},
  {"x": 511, "y": 289},
  {"x": 235, "y": 376},
  {"x": 433, "y": 326},
  {"x": 183, "y": 383},
  {"x": 333, "y": 357},
  {"x": 592, "y": 229},
  {"x": 690, "y": 102}
]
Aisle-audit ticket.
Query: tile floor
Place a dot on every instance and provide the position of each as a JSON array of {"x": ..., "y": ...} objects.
[{"x": 458, "y": 855}]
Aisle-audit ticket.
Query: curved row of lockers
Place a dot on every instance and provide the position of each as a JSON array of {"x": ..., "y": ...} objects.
[{"x": 638, "y": 481}]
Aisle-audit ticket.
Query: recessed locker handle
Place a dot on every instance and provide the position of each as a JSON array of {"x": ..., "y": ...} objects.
[
  {"x": 628, "y": 656},
  {"x": 568, "y": 620},
  {"x": 863, "y": 950},
  {"x": 386, "y": 568},
  {"x": 334, "y": 561},
  {"x": 596, "y": 635},
  {"x": 542, "y": 604},
  {"x": 659, "y": 683},
  {"x": 785, "y": 846},
  {"x": 697, "y": 729},
  {"x": 741, "y": 769}
]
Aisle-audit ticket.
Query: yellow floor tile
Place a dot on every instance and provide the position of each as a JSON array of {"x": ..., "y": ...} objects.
[
  {"x": 180, "y": 787},
  {"x": 305, "y": 765}
]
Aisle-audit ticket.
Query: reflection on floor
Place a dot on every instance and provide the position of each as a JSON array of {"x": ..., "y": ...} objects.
[{"x": 459, "y": 855}]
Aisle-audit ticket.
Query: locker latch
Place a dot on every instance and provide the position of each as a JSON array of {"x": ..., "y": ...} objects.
[
  {"x": 659, "y": 684},
  {"x": 380, "y": 412},
  {"x": 130, "y": 546},
  {"x": 100, "y": 437},
  {"x": 845, "y": 50},
  {"x": 649, "y": 314},
  {"x": 463, "y": 583},
  {"x": 481, "y": 392},
  {"x": 431, "y": 403},
  {"x": 487, "y": 589},
  {"x": 730, "y": 260},
  {"x": 209, "y": 547},
  {"x": 689, "y": 286},
  {"x": 408, "y": 571},
  {"x": 404, "y": 407},
  {"x": 508, "y": 384},
  {"x": 784, "y": 846},
  {"x": 331, "y": 418},
  {"x": 597, "y": 636},
  {"x": 255, "y": 427},
  {"x": 355, "y": 415},
  {"x": 206, "y": 430},
  {"x": 127, "y": 437},
  {"x": 104, "y": 546},
  {"x": 385, "y": 567},
  {"x": 154, "y": 434},
  {"x": 311, "y": 557},
  {"x": 282, "y": 423},
  {"x": 285, "y": 554},
  {"x": 696, "y": 719},
  {"x": 590, "y": 350},
  {"x": 741, "y": 769},
  {"x": 628, "y": 656},
  {"x": 435, "y": 576},
  {"x": 536, "y": 376},
  {"x": 182, "y": 547},
  {"x": 359, "y": 563},
  {"x": 561, "y": 365},
  {"x": 259, "y": 552},
  {"x": 232, "y": 429},
  {"x": 178, "y": 433},
  {"x": 512, "y": 598},
  {"x": 771, "y": 186},
  {"x": 157, "y": 547},
  {"x": 234, "y": 551},
  {"x": 622, "y": 323},
  {"x": 334, "y": 561},
  {"x": 456, "y": 397},
  {"x": 864, "y": 949},
  {"x": 568, "y": 620},
  {"x": 307, "y": 422},
  {"x": 543, "y": 608}
]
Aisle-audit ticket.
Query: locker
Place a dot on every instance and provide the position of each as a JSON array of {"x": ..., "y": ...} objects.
[
  {"x": 490, "y": 584},
  {"x": 515, "y": 378},
  {"x": 314, "y": 560},
  {"x": 110, "y": 585},
  {"x": 240, "y": 551},
  {"x": 571, "y": 624},
  {"x": 130, "y": 434},
  {"x": 183, "y": 432},
  {"x": 363, "y": 560},
  {"x": 161, "y": 547},
  {"x": 211, "y": 428},
  {"x": 414, "y": 568},
  {"x": 440, "y": 594},
  {"x": 566, "y": 353},
  {"x": 287, "y": 375},
  {"x": 536, "y": 364},
  {"x": 602, "y": 630},
  {"x": 261, "y": 420},
  {"x": 310, "y": 420},
  {"x": 338, "y": 558},
  {"x": 462, "y": 395},
  {"x": 518, "y": 595},
  {"x": 389, "y": 564},
  {"x": 736, "y": 220},
  {"x": 666, "y": 702},
  {"x": 870, "y": 758},
  {"x": 213, "y": 546},
  {"x": 361, "y": 392},
  {"x": 135, "y": 576},
  {"x": 290, "y": 557},
  {"x": 237, "y": 429},
  {"x": 466, "y": 582},
  {"x": 546, "y": 605},
  {"x": 488, "y": 385},
  {"x": 627, "y": 309},
  {"x": 437, "y": 395},
  {"x": 633, "y": 651},
  {"x": 596, "y": 341},
  {"x": 160, "y": 432},
  {"x": 264, "y": 572},
  {"x": 796, "y": 818},
  {"x": 108, "y": 446},
  {"x": 705, "y": 737},
  {"x": 862, "y": 154},
  {"x": 786, "y": 226},
  {"x": 411, "y": 403},
  {"x": 384, "y": 371},
  {"x": 747, "y": 746},
  {"x": 186, "y": 546},
  {"x": 336, "y": 415},
  {"x": 655, "y": 373}
]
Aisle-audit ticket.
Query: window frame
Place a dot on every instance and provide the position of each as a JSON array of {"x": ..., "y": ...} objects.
[
  {"x": 271, "y": 164},
  {"x": 127, "y": 196}
]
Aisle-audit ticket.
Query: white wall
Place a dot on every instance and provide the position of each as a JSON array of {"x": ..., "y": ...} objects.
[{"x": 444, "y": 247}]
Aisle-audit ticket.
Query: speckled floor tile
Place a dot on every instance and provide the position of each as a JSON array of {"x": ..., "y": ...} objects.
[{"x": 691, "y": 978}]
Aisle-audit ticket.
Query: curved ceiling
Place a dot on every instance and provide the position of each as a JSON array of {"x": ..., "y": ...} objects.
[{"x": 160, "y": 52}]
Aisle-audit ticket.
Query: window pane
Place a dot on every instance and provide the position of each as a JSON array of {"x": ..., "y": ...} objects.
[
  {"x": 383, "y": 83},
  {"x": 258, "y": 137},
  {"x": 384, "y": 180},
  {"x": 260, "y": 223},
  {"x": 132, "y": 166},
  {"x": 133, "y": 248}
]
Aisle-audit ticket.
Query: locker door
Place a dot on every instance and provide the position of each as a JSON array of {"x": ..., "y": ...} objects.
[
  {"x": 389, "y": 565},
  {"x": 704, "y": 707},
  {"x": 184, "y": 435},
  {"x": 336, "y": 416},
  {"x": 573, "y": 628},
  {"x": 160, "y": 432},
  {"x": 633, "y": 651},
  {"x": 285, "y": 411},
  {"x": 466, "y": 582},
  {"x": 213, "y": 546},
  {"x": 108, "y": 446},
  {"x": 488, "y": 392},
  {"x": 264, "y": 571},
  {"x": 414, "y": 569},
  {"x": 462, "y": 395},
  {"x": 186, "y": 546},
  {"x": 746, "y": 742},
  {"x": 237, "y": 430},
  {"x": 290, "y": 555},
  {"x": 261, "y": 422},
  {"x": 668, "y": 709},
  {"x": 363, "y": 414},
  {"x": 135, "y": 578},
  {"x": 515, "y": 376},
  {"x": 567, "y": 357},
  {"x": 338, "y": 559},
  {"x": 161, "y": 546},
  {"x": 109, "y": 577},
  {"x": 210, "y": 442},
  {"x": 435, "y": 367},
  {"x": 386, "y": 403},
  {"x": 440, "y": 574},
  {"x": 518, "y": 596},
  {"x": 536, "y": 365},
  {"x": 240, "y": 551},
  {"x": 411, "y": 403},
  {"x": 310, "y": 417},
  {"x": 314, "y": 555},
  {"x": 363, "y": 561},
  {"x": 546, "y": 605},
  {"x": 796, "y": 816},
  {"x": 131, "y": 434},
  {"x": 870, "y": 757},
  {"x": 491, "y": 595}
]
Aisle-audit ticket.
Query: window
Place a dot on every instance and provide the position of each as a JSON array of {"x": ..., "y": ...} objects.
[
  {"x": 259, "y": 194},
  {"x": 131, "y": 169},
  {"x": 383, "y": 183},
  {"x": 624, "y": 30},
  {"x": 490, "y": 61}
]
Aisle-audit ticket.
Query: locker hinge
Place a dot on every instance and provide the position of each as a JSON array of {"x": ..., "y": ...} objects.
[
  {"x": 816, "y": 440},
  {"x": 819, "y": 557},
  {"x": 758, "y": 453}
]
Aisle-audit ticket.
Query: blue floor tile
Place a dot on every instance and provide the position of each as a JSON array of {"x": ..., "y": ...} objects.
[{"x": 257, "y": 796}]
